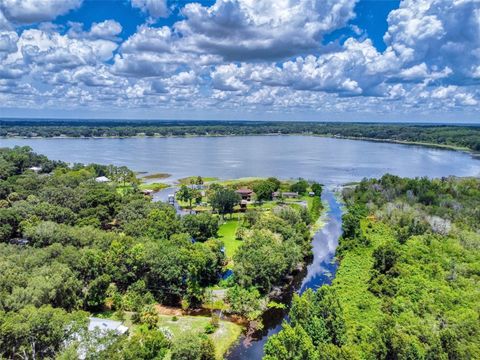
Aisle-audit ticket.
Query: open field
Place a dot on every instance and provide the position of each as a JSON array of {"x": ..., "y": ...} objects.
[
  {"x": 187, "y": 180},
  {"x": 224, "y": 337},
  {"x": 226, "y": 233}
]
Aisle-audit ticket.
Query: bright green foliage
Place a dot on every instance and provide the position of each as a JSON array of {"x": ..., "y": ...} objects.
[
  {"x": 275, "y": 245},
  {"x": 264, "y": 189},
  {"x": 187, "y": 194},
  {"x": 145, "y": 345},
  {"x": 316, "y": 207},
  {"x": 201, "y": 227},
  {"x": 37, "y": 332},
  {"x": 245, "y": 302},
  {"x": 300, "y": 186},
  {"x": 408, "y": 280},
  {"x": 321, "y": 315},
  {"x": 191, "y": 346},
  {"x": 223, "y": 200},
  {"x": 264, "y": 259},
  {"x": 317, "y": 189},
  {"x": 149, "y": 317},
  {"x": 290, "y": 344}
]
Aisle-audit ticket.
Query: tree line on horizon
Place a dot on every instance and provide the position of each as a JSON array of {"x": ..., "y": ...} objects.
[{"x": 461, "y": 136}]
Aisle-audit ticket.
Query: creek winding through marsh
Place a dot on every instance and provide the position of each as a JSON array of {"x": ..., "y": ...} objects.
[{"x": 319, "y": 271}]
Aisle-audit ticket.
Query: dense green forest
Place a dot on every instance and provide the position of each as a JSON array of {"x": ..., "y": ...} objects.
[
  {"x": 71, "y": 246},
  {"x": 408, "y": 283},
  {"x": 467, "y": 137}
]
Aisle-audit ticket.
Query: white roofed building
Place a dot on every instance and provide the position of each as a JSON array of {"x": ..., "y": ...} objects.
[{"x": 102, "y": 179}]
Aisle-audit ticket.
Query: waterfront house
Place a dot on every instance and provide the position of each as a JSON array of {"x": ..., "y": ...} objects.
[{"x": 245, "y": 194}]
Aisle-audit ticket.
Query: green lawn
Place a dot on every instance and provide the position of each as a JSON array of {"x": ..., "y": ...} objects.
[
  {"x": 187, "y": 180},
  {"x": 155, "y": 186},
  {"x": 361, "y": 308},
  {"x": 226, "y": 233},
  {"x": 224, "y": 337}
]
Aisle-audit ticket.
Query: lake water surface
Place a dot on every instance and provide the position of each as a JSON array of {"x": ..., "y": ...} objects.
[{"x": 331, "y": 161}]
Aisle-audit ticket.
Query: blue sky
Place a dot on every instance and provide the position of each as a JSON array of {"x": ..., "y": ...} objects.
[{"x": 411, "y": 60}]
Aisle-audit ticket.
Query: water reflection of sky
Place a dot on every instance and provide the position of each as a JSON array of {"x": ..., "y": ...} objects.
[
  {"x": 324, "y": 243},
  {"x": 331, "y": 161}
]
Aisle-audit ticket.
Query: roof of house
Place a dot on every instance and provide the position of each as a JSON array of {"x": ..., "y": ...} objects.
[
  {"x": 244, "y": 191},
  {"x": 102, "y": 179},
  {"x": 105, "y": 325},
  {"x": 35, "y": 168}
]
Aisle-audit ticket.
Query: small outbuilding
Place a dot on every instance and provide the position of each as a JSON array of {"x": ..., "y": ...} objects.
[{"x": 289, "y": 195}]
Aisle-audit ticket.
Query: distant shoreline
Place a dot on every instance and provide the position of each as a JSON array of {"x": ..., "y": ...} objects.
[{"x": 390, "y": 141}]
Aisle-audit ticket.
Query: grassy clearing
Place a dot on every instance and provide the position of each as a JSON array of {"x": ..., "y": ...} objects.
[
  {"x": 187, "y": 180},
  {"x": 153, "y": 186},
  {"x": 226, "y": 233},
  {"x": 246, "y": 181},
  {"x": 121, "y": 189},
  {"x": 224, "y": 337},
  {"x": 362, "y": 309}
]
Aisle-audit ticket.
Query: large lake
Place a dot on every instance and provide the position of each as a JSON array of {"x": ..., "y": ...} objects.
[{"x": 331, "y": 161}]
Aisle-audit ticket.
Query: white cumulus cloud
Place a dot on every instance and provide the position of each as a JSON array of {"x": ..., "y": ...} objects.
[{"x": 34, "y": 11}]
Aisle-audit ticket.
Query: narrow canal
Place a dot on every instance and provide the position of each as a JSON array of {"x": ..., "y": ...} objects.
[{"x": 319, "y": 272}]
